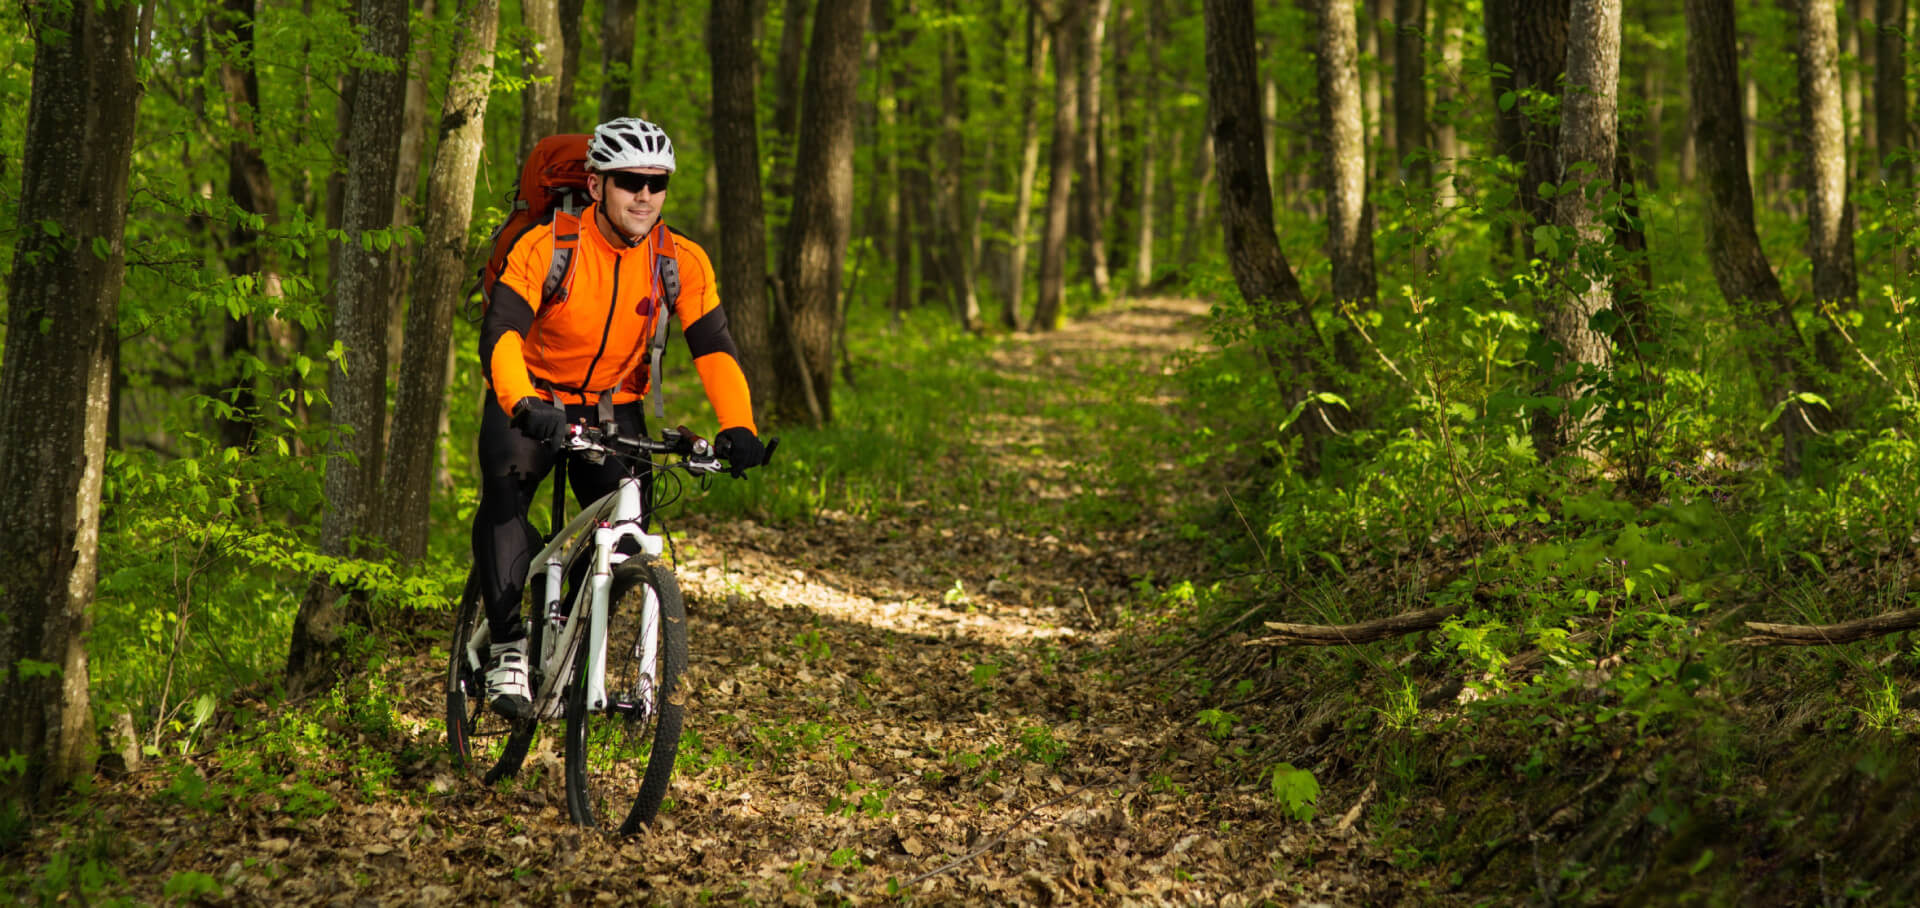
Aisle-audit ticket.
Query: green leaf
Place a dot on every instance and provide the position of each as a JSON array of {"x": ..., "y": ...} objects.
[
  {"x": 1296, "y": 790},
  {"x": 1508, "y": 99},
  {"x": 34, "y": 668}
]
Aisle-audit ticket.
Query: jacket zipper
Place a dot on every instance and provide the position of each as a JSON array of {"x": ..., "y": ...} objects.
[{"x": 613, "y": 302}]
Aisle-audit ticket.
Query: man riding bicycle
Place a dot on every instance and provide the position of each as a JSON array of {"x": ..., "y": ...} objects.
[{"x": 584, "y": 351}]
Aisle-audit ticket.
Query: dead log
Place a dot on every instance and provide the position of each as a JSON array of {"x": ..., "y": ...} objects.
[
  {"x": 1365, "y": 632},
  {"x": 1830, "y": 634}
]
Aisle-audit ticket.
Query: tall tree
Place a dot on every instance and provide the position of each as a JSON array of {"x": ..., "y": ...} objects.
[
  {"x": 736, "y": 160},
  {"x": 1589, "y": 139},
  {"x": 1829, "y": 213},
  {"x": 1260, "y": 268},
  {"x": 63, "y": 297},
  {"x": 569, "y": 17},
  {"x": 1092, "y": 205},
  {"x": 1039, "y": 42},
  {"x": 1410, "y": 94},
  {"x": 546, "y": 51},
  {"x": 822, "y": 209},
  {"x": 1062, "y": 22},
  {"x": 1540, "y": 57},
  {"x": 1153, "y": 32},
  {"x": 357, "y": 383},
  {"x": 616, "y": 58},
  {"x": 421, "y": 402},
  {"x": 1450, "y": 37},
  {"x": 786, "y": 102},
  {"x": 1740, "y": 267},
  {"x": 1343, "y": 154},
  {"x": 1509, "y": 135},
  {"x": 250, "y": 186},
  {"x": 1890, "y": 92}
]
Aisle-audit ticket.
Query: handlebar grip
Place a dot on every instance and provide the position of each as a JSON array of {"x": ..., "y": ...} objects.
[{"x": 767, "y": 458}]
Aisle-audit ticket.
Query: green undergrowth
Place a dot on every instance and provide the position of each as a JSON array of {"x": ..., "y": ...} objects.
[{"x": 1587, "y": 723}]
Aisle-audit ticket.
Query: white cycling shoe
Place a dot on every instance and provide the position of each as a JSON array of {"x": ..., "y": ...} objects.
[{"x": 507, "y": 690}]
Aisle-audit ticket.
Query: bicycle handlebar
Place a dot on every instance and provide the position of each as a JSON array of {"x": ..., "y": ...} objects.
[{"x": 699, "y": 454}]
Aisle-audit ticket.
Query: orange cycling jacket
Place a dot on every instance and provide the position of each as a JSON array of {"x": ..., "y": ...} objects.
[{"x": 592, "y": 337}]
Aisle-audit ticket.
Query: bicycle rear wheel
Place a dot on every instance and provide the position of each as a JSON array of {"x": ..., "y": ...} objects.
[
  {"x": 623, "y": 755},
  {"x": 470, "y": 725}
]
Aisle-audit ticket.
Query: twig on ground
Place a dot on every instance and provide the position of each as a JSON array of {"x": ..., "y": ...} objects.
[
  {"x": 1364, "y": 632},
  {"x": 1765, "y": 634}
]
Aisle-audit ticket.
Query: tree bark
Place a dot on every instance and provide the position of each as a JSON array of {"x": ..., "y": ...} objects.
[
  {"x": 546, "y": 51},
  {"x": 1589, "y": 139},
  {"x": 822, "y": 206},
  {"x": 406, "y": 188},
  {"x": 787, "y": 85},
  {"x": 1540, "y": 57},
  {"x": 1016, "y": 289},
  {"x": 1260, "y": 268},
  {"x": 1410, "y": 95},
  {"x": 1089, "y": 180},
  {"x": 1890, "y": 92},
  {"x": 1153, "y": 32},
  {"x": 63, "y": 296},
  {"x": 570, "y": 12},
  {"x": 616, "y": 58},
  {"x": 1451, "y": 36},
  {"x": 1829, "y": 212},
  {"x": 1343, "y": 155},
  {"x": 1066, "y": 117},
  {"x": 736, "y": 160},
  {"x": 357, "y": 385},
  {"x": 250, "y": 186},
  {"x": 420, "y": 407},
  {"x": 1739, "y": 265}
]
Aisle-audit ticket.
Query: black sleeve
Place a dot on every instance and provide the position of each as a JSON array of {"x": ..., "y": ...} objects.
[{"x": 708, "y": 334}]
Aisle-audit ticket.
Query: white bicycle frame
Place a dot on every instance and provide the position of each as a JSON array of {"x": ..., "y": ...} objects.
[{"x": 616, "y": 516}]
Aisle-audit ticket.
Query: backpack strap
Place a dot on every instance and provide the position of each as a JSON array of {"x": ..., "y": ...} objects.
[
  {"x": 566, "y": 238},
  {"x": 666, "y": 277}
]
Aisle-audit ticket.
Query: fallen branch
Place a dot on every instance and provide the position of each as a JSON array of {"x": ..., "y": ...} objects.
[
  {"x": 1828, "y": 634},
  {"x": 1364, "y": 632}
]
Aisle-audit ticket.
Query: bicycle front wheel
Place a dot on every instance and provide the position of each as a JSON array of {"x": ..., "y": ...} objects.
[{"x": 620, "y": 757}]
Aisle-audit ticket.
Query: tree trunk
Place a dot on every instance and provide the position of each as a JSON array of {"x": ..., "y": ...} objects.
[
  {"x": 1509, "y": 136},
  {"x": 1589, "y": 139},
  {"x": 546, "y": 51},
  {"x": 1153, "y": 32},
  {"x": 1343, "y": 156},
  {"x": 1066, "y": 117},
  {"x": 1410, "y": 96},
  {"x": 1890, "y": 93},
  {"x": 406, "y": 186},
  {"x": 250, "y": 186},
  {"x": 1739, "y": 265},
  {"x": 1451, "y": 36},
  {"x": 736, "y": 160},
  {"x": 357, "y": 386},
  {"x": 1260, "y": 269},
  {"x": 956, "y": 200},
  {"x": 822, "y": 207},
  {"x": 786, "y": 105},
  {"x": 1092, "y": 214},
  {"x": 570, "y": 12},
  {"x": 1829, "y": 213},
  {"x": 1199, "y": 195},
  {"x": 1851, "y": 91},
  {"x": 616, "y": 58},
  {"x": 1029, "y": 174},
  {"x": 1371, "y": 102},
  {"x": 63, "y": 297},
  {"x": 1540, "y": 57},
  {"x": 420, "y": 406}
]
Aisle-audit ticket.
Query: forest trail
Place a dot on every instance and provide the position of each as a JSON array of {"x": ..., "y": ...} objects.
[{"x": 927, "y": 706}]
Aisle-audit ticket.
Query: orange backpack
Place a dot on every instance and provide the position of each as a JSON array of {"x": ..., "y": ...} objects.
[{"x": 553, "y": 187}]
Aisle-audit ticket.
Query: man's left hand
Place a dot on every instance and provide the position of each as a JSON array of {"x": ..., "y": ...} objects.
[{"x": 741, "y": 448}]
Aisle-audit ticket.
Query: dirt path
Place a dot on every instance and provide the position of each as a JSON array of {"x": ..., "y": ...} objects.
[{"x": 925, "y": 705}]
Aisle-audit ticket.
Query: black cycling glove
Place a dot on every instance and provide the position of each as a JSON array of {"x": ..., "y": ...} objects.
[
  {"x": 741, "y": 448},
  {"x": 541, "y": 421}
]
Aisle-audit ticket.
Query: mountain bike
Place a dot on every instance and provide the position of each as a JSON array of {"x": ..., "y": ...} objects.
[{"x": 609, "y": 657}]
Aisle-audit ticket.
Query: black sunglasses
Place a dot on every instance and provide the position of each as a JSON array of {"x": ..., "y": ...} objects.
[{"x": 631, "y": 182}]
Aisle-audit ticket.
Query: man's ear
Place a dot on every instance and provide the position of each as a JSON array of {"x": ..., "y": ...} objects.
[{"x": 593, "y": 187}]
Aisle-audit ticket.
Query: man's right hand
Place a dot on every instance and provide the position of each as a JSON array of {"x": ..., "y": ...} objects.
[{"x": 539, "y": 420}]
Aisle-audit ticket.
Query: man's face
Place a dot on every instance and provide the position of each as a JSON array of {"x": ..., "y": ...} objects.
[{"x": 631, "y": 198}]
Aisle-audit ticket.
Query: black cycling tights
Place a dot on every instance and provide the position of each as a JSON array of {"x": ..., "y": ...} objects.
[{"x": 511, "y": 468}]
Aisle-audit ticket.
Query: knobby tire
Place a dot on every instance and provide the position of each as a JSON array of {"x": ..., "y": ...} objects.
[{"x": 605, "y": 750}]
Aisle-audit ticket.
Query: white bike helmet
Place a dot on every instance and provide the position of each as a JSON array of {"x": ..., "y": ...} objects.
[{"x": 629, "y": 142}]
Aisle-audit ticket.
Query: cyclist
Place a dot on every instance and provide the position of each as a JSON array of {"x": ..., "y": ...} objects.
[{"x": 584, "y": 352}]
